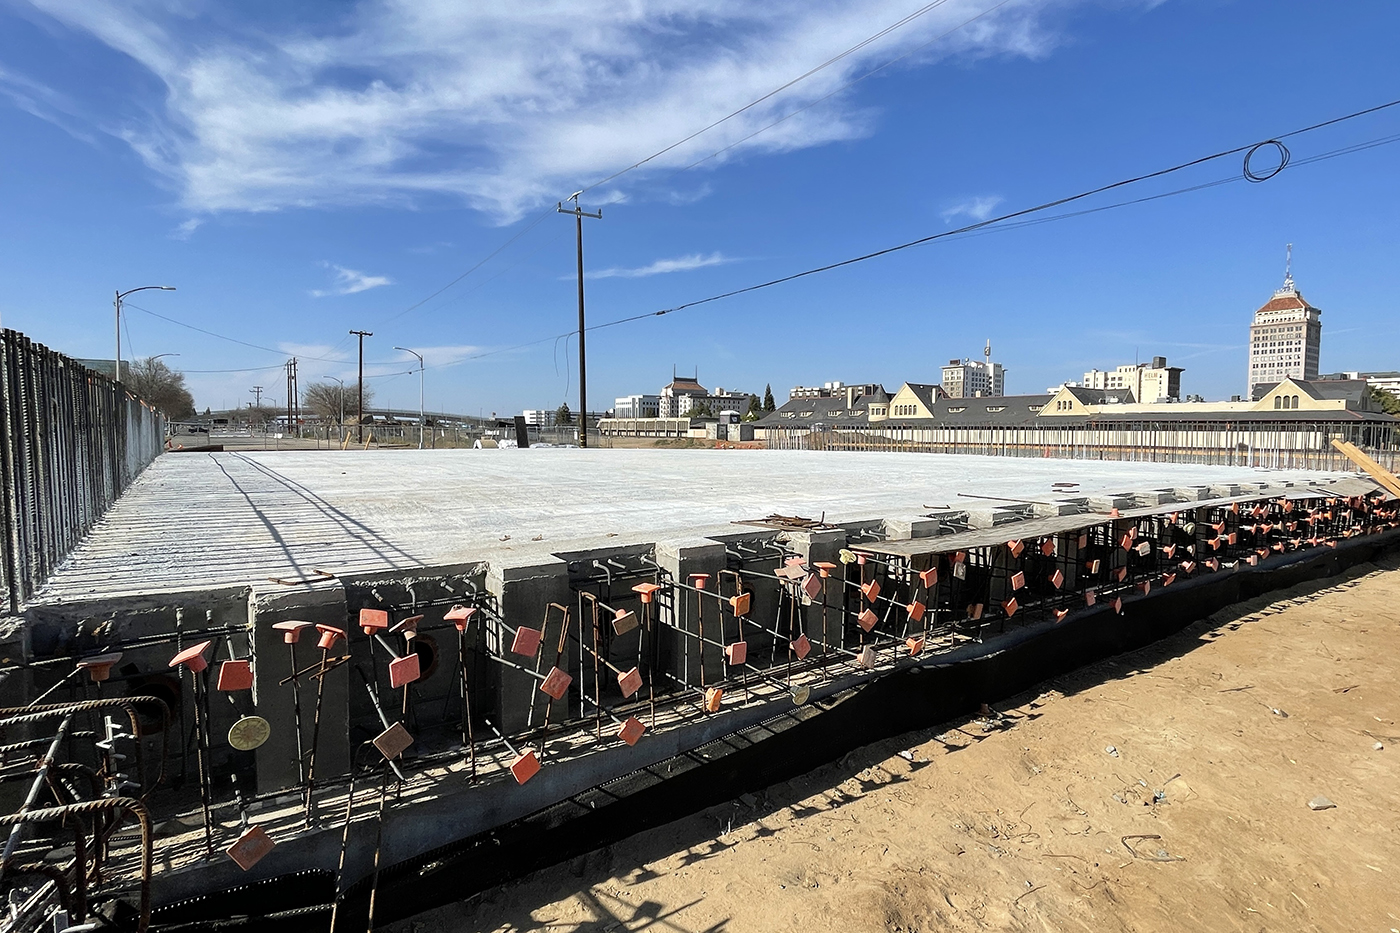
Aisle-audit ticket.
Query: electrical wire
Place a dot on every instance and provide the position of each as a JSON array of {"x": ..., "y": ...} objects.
[
  {"x": 773, "y": 93},
  {"x": 997, "y": 224}
]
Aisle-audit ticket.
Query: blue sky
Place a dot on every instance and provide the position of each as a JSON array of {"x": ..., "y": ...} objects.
[{"x": 297, "y": 170}]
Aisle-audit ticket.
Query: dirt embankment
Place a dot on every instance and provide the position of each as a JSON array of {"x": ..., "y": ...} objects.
[{"x": 1165, "y": 790}]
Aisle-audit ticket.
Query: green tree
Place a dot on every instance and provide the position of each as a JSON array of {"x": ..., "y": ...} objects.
[
  {"x": 701, "y": 410},
  {"x": 768, "y": 404},
  {"x": 1387, "y": 402},
  {"x": 160, "y": 386},
  {"x": 562, "y": 414},
  {"x": 755, "y": 409}
]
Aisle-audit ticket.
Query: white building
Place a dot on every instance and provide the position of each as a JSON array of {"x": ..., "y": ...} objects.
[
  {"x": 678, "y": 396},
  {"x": 539, "y": 417},
  {"x": 973, "y": 379},
  {"x": 1284, "y": 339},
  {"x": 637, "y": 406},
  {"x": 1155, "y": 383}
]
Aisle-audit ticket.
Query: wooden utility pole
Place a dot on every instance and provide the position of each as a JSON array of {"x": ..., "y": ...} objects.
[
  {"x": 360, "y": 418},
  {"x": 579, "y": 213}
]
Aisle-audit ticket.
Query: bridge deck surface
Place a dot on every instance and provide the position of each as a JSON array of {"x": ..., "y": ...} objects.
[{"x": 206, "y": 520}]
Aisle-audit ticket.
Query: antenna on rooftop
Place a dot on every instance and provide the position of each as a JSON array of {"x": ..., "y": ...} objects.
[
  {"x": 1288, "y": 268},
  {"x": 988, "y": 352}
]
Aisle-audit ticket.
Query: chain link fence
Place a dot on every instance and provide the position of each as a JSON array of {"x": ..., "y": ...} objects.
[{"x": 71, "y": 442}]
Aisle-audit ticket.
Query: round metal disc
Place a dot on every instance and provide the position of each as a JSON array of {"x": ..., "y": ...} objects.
[
  {"x": 801, "y": 695},
  {"x": 248, "y": 733}
]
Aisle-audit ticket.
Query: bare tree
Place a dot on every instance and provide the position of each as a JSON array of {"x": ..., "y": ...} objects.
[
  {"x": 160, "y": 386},
  {"x": 327, "y": 400}
]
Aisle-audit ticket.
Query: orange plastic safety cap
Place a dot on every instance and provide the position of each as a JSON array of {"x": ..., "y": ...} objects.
[
  {"x": 867, "y": 619},
  {"x": 871, "y": 590},
  {"x": 916, "y": 611},
  {"x": 1057, "y": 579},
  {"x": 192, "y": 657},
  {"x": 646, "y": 590},
  {"x": 929, "y": 577},
  {"x": 329, "y": 636},
  {"x": 524, "y": 767},
  {"x": 373, "y": 620},
  {"x": 235, "y": 675},
  {"x": 250, "y": 847},
  {"x": 404, "y": 670},
  {"x": 915, "y": 646},
  {"x": 631, "y": 730},
  {"x": 629, "y": 682},
  {"x": 736, "y": 653},
  {"x": 99, "y": 667},
  {"x": 801, "y": 646},
  {"x": 291, "y": 630},
  {"x": 1018, "y": 580},
  {"x": 555, "y": 683},
  {"x": 740, "y": 604},
  {"x": 713, "y": 696},
  {"x": 527, "y": 641}
]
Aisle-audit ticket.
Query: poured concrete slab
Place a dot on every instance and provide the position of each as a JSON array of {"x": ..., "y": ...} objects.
[{"x": 206, "y": 520}]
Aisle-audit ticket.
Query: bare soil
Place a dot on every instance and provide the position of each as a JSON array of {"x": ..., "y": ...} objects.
[{"x": 1163, "y": 790}]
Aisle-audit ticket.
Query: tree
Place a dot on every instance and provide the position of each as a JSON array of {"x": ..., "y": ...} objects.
[
  {"x": 1387, "y": 402},
  {"x": 755, "y": 409},
  {"x": 562, "y": 414},
  {"x": 326, "y": 400},
  {"x": 701, "y": 410},
  {"x": 160, "y": 386},
  {"x": 768, "y": 404}
]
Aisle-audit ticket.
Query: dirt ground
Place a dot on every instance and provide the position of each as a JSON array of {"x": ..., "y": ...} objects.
[{"x": 1163, "y": 790}]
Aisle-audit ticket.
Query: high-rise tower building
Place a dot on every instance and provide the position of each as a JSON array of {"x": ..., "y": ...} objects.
[
  {"x": 969, "y": 378},
  {"x": 1285, "y": 337}
]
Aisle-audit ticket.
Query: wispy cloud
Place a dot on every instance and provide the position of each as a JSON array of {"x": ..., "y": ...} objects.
[
  {"x": 977, "y": 209},
  {"x": 663, "y": 266},
  {"x": 350, "y": 281},
  {"x": 186, "y": 230},
  {"x": 498, "y": 105}
]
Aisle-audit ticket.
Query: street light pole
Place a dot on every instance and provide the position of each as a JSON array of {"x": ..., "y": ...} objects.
[
  {"x": 118, "y": 304},
  {"x": 340, "y": 428},
  {"x": 420, "y": 392}
]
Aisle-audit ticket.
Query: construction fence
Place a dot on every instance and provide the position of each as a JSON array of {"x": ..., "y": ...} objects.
[
  {"x": 1292, "y": 446},
  {"x": 71, "y": 441}
]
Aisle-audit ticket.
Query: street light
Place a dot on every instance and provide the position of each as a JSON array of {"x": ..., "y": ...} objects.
[
  {"x": 340, "y": 428},
  {"x": 420, "y": 392},
  {"x": 118, "y": 303}
]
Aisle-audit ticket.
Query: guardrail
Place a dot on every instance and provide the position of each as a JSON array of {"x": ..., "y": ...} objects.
[{"x": 71, "y": 441}]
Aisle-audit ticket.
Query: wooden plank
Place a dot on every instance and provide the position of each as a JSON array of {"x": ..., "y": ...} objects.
[{"x": 1373, "y": 469}]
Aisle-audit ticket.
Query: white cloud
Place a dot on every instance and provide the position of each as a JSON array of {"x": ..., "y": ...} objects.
[
  {"x": 977, "y": 209},
  {"x": 505, "y": 106},
  {"x": 662, "y": 266},
  {"x": 350, "y": 281},
  {"x": 186, "y": 230}
]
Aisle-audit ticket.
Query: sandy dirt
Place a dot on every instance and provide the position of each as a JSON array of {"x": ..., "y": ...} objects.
[{"x": 1164, "y": 790}]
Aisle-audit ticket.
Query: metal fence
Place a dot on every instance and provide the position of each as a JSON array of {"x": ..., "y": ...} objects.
[
  {"x": 71, "y": 441},
  {"x": 1304, "y": 446}
]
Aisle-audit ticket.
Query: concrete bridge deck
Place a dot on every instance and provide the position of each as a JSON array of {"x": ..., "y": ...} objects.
[{"x": 209, "y": 520}]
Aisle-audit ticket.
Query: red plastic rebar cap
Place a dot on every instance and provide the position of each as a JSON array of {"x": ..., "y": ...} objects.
[
  {"x": 329, "y": 636},
  {"x": 524, "y": 767},
  {"x": 1057, "y": 579},
  {"x": 235, "y": 675},
  {"x": 697, "y": 580},
  {"x": 624, "y": 621},
  {"x": 867, "y": 619},
  {"x": 629, "y": 682},
  {"x": 556, "y": 683},
  {"x": 99, "y": 666},
  {"x": 713, "y": 696},
  {"x": 1018, "y": 580},
  {"x": 291, "y": 630},
  {"x": 1010, "y": 606},
  {"x": 929, "y": 577},
  {"x": 801, "y": 646},
  {"x": 740, "y": 604},
  {"x": 916, "y": 611},
  {"x": 393, "y": 741},
  {"x": 915, "y": 646},
  {"x": 527, "y": 641},
  {"x": 871, "y": 590},
  {"x": 373, "y": 620},
  {"x": 408, "y": 627},
  {"x": 192, "y": 657},
  {"x": 736, "y": 653},
  {"x": 812, "y": 586},
  {"x": 631, "y": 730},
  {"x": 824, "y": 567},
  {"x": 404, "y": 670},
  {"x": 459, "y": 613},
  {"x": 250, "y": 847},
  {"x": 646, "y": 591},
  {"x": 1060, "y": 615}
]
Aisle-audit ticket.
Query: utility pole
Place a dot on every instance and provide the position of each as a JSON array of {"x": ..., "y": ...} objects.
[
  {"x": 360, "y": 419},
  {"x": 293, "y": 405},
  {"x": 257, "y": 395},
  {"x": 579, "y": 213}
]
